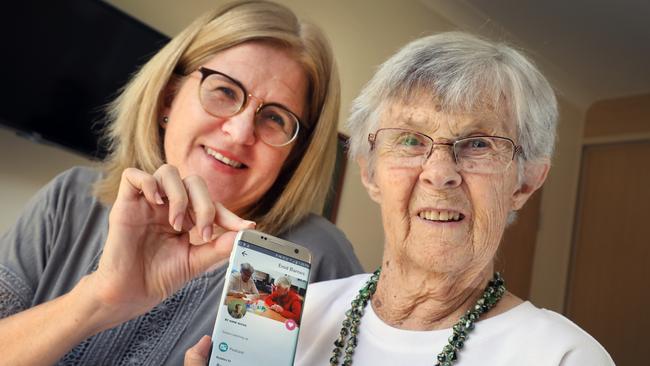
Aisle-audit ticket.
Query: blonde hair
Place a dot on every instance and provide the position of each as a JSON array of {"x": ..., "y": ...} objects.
[{"x": 134, "y": 137}]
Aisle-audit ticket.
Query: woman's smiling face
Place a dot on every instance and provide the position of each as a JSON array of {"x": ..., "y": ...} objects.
[
  {"x": 237, "y": 166},
  {"x": 435, "y": 215}
]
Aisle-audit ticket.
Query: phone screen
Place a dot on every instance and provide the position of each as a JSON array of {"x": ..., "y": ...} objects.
[{"x": 250, "y": 327}]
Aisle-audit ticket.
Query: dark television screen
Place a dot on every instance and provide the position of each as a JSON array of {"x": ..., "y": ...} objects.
[{"x": 62, "y": 62}]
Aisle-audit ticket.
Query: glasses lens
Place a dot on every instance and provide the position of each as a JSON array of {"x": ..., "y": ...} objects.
[
  {"x": 220, "y": 96},
  {"x": 275, "y": 125},
  {"x": 403, "y": 147},
  {"x": 484, "y": 154}
]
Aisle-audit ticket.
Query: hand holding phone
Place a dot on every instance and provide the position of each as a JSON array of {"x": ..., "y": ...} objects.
[{"x": 258, "y": 319}]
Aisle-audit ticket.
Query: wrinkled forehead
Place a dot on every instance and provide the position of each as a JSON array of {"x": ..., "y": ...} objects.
[{"x": 429, "y": 114}]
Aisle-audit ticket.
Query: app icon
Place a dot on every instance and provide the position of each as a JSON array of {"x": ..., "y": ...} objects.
[
  {"x": 223, "y": 346},
  {"x": 290, "y": 324}
]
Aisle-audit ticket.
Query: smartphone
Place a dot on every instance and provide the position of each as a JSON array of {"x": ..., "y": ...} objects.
[{"x": 259, "y": 314}]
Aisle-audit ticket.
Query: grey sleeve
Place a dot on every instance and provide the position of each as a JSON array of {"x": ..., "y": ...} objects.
[
  {"x": 24, "y": 250},
  {"x": 333, "y": 255}
]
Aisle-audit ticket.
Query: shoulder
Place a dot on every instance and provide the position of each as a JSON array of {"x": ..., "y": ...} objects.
[
  {"x": 557, "y": 335},
  {"x": 331, "y": 293},
  {"x": 75, "y": 182},
  {"x": 69, "y": 193},
  {"x": 332, "y": 252},
  {"x": 315, "y": 229}
]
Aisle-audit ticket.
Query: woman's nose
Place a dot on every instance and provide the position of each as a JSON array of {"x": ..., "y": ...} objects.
[
  {"x": 440, "y": 170},
  {"x": 241, "y": 127}
]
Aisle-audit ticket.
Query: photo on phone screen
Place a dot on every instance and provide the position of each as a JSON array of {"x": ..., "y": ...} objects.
[{"x": 259, "y": 315}]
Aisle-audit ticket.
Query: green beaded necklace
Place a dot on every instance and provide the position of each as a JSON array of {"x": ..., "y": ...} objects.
[{"x": 347, "y": 340}]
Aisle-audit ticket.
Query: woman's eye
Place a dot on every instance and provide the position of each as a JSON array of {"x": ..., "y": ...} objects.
[
  {"x": 272, "y": 119},
  {"x": 277, "y": 119},
  {"x": 410, "y": 140},
  {"x": 478, "y": 144},
  {"x": 227, "y": 92}
]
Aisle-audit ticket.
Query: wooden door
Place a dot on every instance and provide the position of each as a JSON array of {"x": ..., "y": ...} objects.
[{"x": 608, "y": 293}]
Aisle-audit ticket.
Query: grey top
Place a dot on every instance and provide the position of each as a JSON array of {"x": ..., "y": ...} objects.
[{"x": 58, "y": 239}]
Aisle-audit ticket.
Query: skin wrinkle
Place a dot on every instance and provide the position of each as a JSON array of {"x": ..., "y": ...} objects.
[{"x": 440, "y": 270}]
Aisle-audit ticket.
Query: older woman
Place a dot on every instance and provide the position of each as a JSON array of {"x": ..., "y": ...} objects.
[
  {"x": 204, "y": 134},
  {"x": 453, "y": 135},
  {"x": 284, "y": 301},
  {"x": 242, "y": 284}
]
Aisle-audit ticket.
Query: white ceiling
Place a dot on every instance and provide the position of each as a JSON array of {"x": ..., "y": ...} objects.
[{"x": 590, "y": 49}]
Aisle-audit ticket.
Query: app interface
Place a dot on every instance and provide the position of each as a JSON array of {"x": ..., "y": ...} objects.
[{"x": 260, "y": 318}]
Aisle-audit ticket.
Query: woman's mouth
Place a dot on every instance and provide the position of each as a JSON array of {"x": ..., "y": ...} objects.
[
  {"x": 441, "y": 215},
  {"x": 222, "y": 159}
]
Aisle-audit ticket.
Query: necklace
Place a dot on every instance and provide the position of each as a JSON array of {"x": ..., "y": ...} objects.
[{"x": 347, "y": 340}]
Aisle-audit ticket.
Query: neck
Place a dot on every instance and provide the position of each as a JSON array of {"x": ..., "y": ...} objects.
[{"x": 413, "y": 298}]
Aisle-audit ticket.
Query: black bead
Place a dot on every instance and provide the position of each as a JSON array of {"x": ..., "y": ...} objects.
[
  {"x": 352, "y": 341},
  {"x": 451, "y": 356},
  {"x": 340, "y": 342}
]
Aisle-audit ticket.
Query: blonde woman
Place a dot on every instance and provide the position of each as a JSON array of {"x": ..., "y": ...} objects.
[{"x": 126, "y": 264}]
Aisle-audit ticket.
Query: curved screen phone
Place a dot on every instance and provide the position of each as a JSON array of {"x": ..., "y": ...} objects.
[{"x": 261, "y": 305}]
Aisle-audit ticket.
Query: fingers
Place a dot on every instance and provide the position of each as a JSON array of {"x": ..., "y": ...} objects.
[
  {"x": 174, "y": 189},
  {"x": 135, "y": 182},
  {"x": 202, "y": 257},
  {"x": 183, "y": 195},
  {"x": 202, "y": 206},
  {"x": 198, "y": 354},
  {"x": 228, "y": 220}
]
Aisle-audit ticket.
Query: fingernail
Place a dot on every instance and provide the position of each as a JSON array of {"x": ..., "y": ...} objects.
[
  {"x": 158, "y": 199},
  {"x": 178, "y": 222},
  {"x": 207, "y": 233},
  {"x": 251, "y": 224}
]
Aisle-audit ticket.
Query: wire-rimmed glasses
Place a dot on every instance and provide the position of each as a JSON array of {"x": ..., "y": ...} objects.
[
  {"x": 223, "y": 96},
  {"x": 474, "y": 154}
]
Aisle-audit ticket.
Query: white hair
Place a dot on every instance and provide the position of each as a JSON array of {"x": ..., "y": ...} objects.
[
  {"x": 283, "y": 281},
  {"x": 461, "y": 72},
  {"x": 246, "y": 267}
]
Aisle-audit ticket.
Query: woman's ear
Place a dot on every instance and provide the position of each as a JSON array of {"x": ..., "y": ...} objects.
[
  {"x": 368, "y": 180},
  {"x": 534, "y": 176},
  {"x": 168, "y": 97}
]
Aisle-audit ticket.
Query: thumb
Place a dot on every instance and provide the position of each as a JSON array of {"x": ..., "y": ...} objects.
[
  {"x": 207, "y": 255},
  {"x": 198, "y": 354}
]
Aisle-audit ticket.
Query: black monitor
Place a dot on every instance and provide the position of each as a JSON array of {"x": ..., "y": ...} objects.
[{"x": 62, "y": 61}]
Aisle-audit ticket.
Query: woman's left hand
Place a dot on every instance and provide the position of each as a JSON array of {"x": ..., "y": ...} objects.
[
  {"x": 148, "y": 253},
  {"x": 277, "y": 308},
  {"x": 199, "y": 353}
]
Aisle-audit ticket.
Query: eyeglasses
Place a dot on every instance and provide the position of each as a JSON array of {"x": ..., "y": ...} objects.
[
  {"x": 475, "y": 154},
  {"x": 223, "y": 96}
]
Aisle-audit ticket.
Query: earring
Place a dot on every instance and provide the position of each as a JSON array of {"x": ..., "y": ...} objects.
[{"x": 165, "y": 119}]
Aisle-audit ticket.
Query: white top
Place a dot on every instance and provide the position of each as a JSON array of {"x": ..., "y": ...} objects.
[
  {"x": 236, "y": 284},
  {"x": 524, "y": 335}
]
